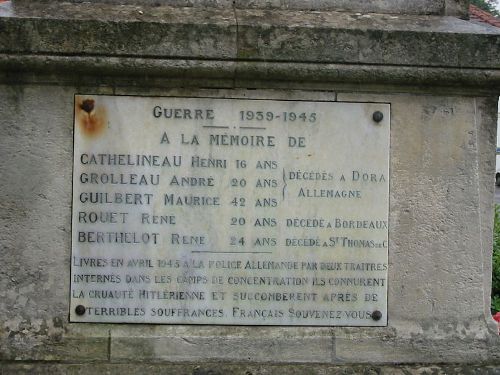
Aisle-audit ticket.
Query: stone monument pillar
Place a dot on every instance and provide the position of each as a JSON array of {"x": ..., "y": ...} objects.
[{"x": 248, "y": 186}]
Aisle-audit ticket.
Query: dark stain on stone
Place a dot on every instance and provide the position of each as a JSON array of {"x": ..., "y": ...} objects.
[
  {"x": 202, "y": 371},
  {"x": 371, "y": 371},
  {"x": 58, "y": 323},
  {"x": 91, "y": 118}
]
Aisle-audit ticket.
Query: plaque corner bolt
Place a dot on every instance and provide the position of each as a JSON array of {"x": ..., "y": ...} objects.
[
  {"x": 378, "y": 116},
  {"x": 80, "y": 310},
  {"x": 376, "y": 315}
]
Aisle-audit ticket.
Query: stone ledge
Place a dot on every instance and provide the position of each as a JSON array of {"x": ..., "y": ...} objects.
[
  {"x": 234, "y": 74},
  {"x": 46, "y": 349},
  {"x": 391, "y": 6},
  {"x": 331, "y": 37},
  {"x": 273, "y": 349},
  {"x": 64, "y": 29},
  {"x": 208, "y": 368}
]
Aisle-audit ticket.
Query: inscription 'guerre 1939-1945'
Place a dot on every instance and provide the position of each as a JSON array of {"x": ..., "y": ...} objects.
[{"x": 229, "y": 211}]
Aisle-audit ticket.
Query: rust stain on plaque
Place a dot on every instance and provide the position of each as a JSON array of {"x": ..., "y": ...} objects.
[{"x": 91, "y": 118}]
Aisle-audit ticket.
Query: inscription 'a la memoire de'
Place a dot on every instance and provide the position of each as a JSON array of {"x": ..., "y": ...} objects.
[{"x": 229, "y": 211}]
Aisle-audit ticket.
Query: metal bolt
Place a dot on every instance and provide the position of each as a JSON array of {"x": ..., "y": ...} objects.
[
  {"x": 378, "y": 116},
  {"x": 88, "y": 105},
  {"x": 80, "y": 310},
  {"x": 376, "y": 315}
]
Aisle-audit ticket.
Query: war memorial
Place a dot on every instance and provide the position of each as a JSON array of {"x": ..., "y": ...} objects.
[{"x": 246, "y": 187}]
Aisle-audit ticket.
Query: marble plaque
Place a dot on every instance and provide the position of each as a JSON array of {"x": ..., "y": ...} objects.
[{"x": 229, "y": 211}]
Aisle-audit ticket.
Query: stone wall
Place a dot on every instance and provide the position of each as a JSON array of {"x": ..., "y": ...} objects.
[{"x": 441, "y": 76}]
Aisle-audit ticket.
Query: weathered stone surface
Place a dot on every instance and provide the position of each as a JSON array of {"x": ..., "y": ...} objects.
[
  {"x": 35, "y": 277},
  {"x": 217, "y": 368},
  {"x": 449, "y": 7},
  {"x": 367, "y": 39},
  {"x": 435, "y": 199},
  {"x": 458, "y": 8},
  {"x": 299, "y": 36},
  {"x": 420, "y": 161},
  {"x": 245, "y": 344},
  {"x": 94, "y": 30},
  {"x": 441, "y": 175},
  {"x": 130, "y": 72},
  {"x": 202, "y": 47}
]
